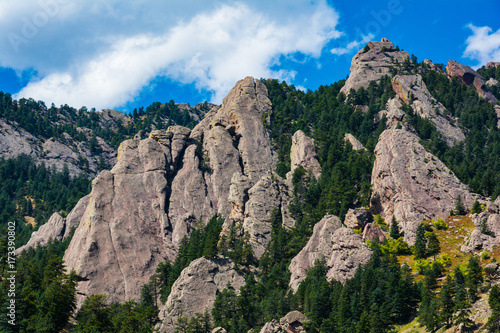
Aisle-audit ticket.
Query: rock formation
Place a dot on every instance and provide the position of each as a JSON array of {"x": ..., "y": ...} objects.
[
  {"x": 372, "y": 64},
  {"x": 161, "y": 186},
  {"x": 357, "y": 218},
  {"x": 470, "y": 76},
  {"x": 340, "y": 247},
  {"x": 196, "y": 288},
  {"x": 303, "y": 153},
  {"x": 372, "y": 232},
  {"x": 411, "y": 183},
  {"x": 486, "y": 235},
  {"x": 356, "y": 145},
  {"x": 492, "y": 82},
  {"x": 411, "y": 89},
  {"x": 292, "y": 322},
  {"x": 57, "y": 227},
  {"x": 492, "y": 64}
]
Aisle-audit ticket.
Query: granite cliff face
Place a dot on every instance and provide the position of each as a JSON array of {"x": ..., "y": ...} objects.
[
  {"x": 372, "y": 64},
  {"x": 412, "y": 184},
  {"x": 486, "y": 235},
  {"x": 140, "y": 210}
]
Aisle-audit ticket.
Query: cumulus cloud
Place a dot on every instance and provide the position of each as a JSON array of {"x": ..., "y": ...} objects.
[
  {"x": 354, "y": 45},
  {"x": 483, "y": 46},
  {"x": 106, "y": 66}
]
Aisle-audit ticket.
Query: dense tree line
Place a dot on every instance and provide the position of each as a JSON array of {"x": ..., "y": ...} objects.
[{"x": 28, "y": 190}]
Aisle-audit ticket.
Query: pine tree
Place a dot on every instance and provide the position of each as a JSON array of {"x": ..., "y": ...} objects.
[
  {"x": 474, "y": 277},
  {"x": 420, "y": 242},
  {"x": 446, "y": 301},
  {"x": 493, "y": 324},
  {"x": 459, "y": 206},
  {"x": 433, "y": 246},
  {"x": 476, "y": 208},
  {"x": 394, "y": 233}
]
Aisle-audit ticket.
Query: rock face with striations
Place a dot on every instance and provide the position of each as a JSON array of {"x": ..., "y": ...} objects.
[
  {"x": 372, "y": 64},
  {"x": 196, "y": 288},
  {"x": 412, "y": 89},
  {"x": 411, "y": 183},
  {"x": 340, "y": 247},
  {"x": 470, "y": 76},
  {"x": 355, "y": 143},
  {"x": 125, "y": 231}
]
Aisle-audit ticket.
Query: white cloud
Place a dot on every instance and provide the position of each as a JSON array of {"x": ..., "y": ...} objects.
[
  {"x": 98, "y": 65},
  {"x": 483, "y": 46},
  {"x": 354, "y": 45}
]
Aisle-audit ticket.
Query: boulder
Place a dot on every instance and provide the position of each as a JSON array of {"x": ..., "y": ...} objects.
[
  {"x": 356, "y": 145},
  {"x": 433, "y": 66},
  {"x": 492, "y": 82},
  {"x": 303, "y": 153},
  {"x": 340, "y": 247},
  {"x": 411, "y": 183},
  {"x": 357, "y": 218},
  {"x": 372, "y": 64},
  {"x": 196, "y": 288},
  {"x": 470, "y": 77},
  {"x": 372, "y": 232},
  {"x": 411, "y": 89},
  {"x": 292, "y": 322}
]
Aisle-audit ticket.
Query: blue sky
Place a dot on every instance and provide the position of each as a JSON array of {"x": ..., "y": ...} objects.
[{"x": 123, "y": 54}]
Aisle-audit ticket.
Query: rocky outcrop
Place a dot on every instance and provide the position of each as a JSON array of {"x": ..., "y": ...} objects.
[
  {"x": 470, "y": 77},
  {"x": 486, "y": 235},
  {"x": 271, "y": 192},
  {"x": 357, "y": 218},
  {"x": 161, "y": 186},
  {"x": 57, "y": 227},
  {"x": 411, "y": 89},
  {"x": 433, "y": 66},
  {"x": 411, "y": 183},
  {"x": 492, "y": 64},
  {"x": 340, "y": 247},
  {"x": 196, "y": 288},
  {"x": 492, "y": 82},
  {"x": 356, "y": 145},
  {"x": 125, "y": 231},
  {"x": 497, "y": 111},
  {"x": 292, "y": 322},
  {"x": 372, "y": 64},
  {"x": 373, "y": 232},
  {"x": 303, "y": 153},
  {"x": 59, "y": 153}
]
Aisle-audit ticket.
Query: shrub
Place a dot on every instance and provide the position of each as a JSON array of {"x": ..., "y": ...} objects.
[{"x": 439, "y": 224}]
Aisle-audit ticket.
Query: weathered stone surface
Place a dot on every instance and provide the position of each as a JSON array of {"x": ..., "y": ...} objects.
[
  {"x": 196, "y": 288},
  {"x": 492, "y": 82},
  {"x": 492, "y": 64},
  {"x": 14, "y": 142},
  {"x": 394, "y": 115},
  {"x": 489, "y": 222},
  {"x": 318, "y": 247},
  {"x": 238, "y": 195},
  {"x": 497, "y": 111},
  {"x": 57, "y": 227},
  {"x": 271, "y": 327},
  {"x": 470, "y": 76},
  {"x": 357, "y": 218},
  {"x": 342, "y": 249},
  {"x": 303, "y": 153},
  {"x": 411, "y": 183},
  {"x": 219, "y": 330},
  {"x": 125, "y": 231},
  {"x": 372, "y": 232},
  {"x": 372, "y": 65},
  {"x": 347, "y": 253},
  {"x": 264, "y": 197},
  {"x": 52, "y": 230},
  {"x": 411, "y": 88},
  {"x": 293, "y": 322},
  {"x": 356, "y": 145}
]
